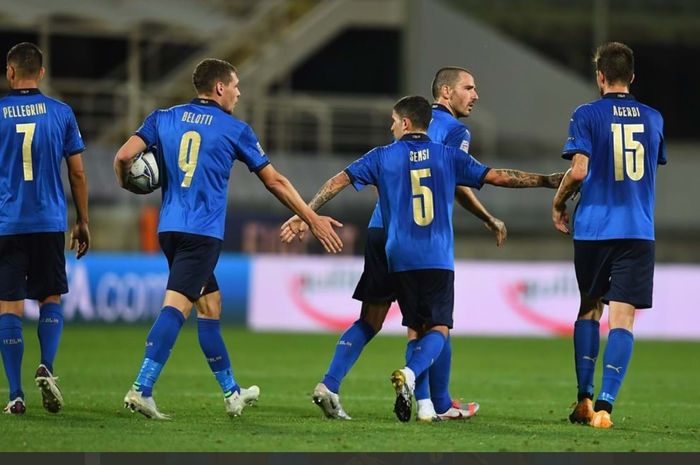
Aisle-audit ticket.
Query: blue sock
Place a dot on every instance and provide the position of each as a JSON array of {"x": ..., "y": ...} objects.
[
  {"x": 618, "y": 352},
  {"x": 440, "y": 379},
  {"x": 347, "y": 351},
  {"x": 427, "y": 349},
  {"x": 422, "y": 390},
  {"x": 12, "y": 348},
  {"x": 49, "y": 331},
  {"x": 586, "y": 347},
  {"x": 212, "y": 344},
  {"x": 159, "y": 344}
]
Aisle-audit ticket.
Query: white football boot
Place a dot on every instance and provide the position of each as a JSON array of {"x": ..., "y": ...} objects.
[
  {"x": 329, "y": 403},
  {"x": 146, "y": 406}
]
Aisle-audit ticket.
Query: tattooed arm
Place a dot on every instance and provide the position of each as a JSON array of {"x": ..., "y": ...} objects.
[
  {"x": 295, "y": 226},
  {"x": 520, "y": 179},
  {"x": 568, "y": 187}
]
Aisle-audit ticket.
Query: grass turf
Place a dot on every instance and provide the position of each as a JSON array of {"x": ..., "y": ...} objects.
[{"x": 525, "y": 387}]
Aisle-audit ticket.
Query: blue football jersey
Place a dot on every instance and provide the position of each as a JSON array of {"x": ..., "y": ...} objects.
[
  {"x": 197, "y": 145},
  {"x": 624, "y": 142},
  {"x": 416, "y": 179},
  {"x": 36, "y": 134},
  {"x": 444, "y": 129}
]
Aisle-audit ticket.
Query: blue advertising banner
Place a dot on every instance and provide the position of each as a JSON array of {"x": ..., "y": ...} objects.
[{"x": 129, "y": 288}]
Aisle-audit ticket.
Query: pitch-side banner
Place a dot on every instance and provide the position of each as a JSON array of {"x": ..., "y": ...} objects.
[
  {"x": 129, "y": 288},
  {"x": 491, "y": 298}
]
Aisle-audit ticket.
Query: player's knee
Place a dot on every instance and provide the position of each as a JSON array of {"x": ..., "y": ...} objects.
[
  {"x": 52, "y": 299},
  {"x": 590, "y": 308},
  {"x": 374, "y": 314},
  {"x": 12, "y": 308}
]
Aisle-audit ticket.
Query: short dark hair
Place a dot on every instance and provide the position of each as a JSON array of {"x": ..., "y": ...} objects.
[
  {"x": 210, "y": 71},
  {"x": 26, "y": 58},
  {"x": 416, "y": 108},
  {"x": 616, "y": 61},
  {"x": 446, "y": 76}
]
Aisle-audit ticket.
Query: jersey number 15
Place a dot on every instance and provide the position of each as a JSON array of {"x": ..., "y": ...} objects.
[{"x": 627, "y": 151}]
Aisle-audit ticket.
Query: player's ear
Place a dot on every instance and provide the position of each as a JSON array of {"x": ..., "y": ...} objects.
[
  {"x": 632, "y": 80},
  {"x": 42, "y": 71},
  {"x": 10, "y": 72},
  {"x": 219, "y": 88}
]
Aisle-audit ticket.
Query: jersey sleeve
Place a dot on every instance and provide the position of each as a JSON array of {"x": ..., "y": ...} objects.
[
  {"x": 469, "y": 171},
  {"x": 661, "y": 160},
  {"x": 148, "y": 131},
  {"x": 580, "y": 136},
  {"x": 250, "y": 152},
  {"x": 364, "y": 171},
  {"x": 72, "y": 142},
  {"x": 459, "y": 137}
]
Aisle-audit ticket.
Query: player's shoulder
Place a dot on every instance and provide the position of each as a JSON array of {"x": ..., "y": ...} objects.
[
  {"x": 58, "y": 104},
  {"x": 651, "y": 111}
]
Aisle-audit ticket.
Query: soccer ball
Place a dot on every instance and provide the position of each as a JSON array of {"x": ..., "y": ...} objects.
[{"x": 144, "y": 176}]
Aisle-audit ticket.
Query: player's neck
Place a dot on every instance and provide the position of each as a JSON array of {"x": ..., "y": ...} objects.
[
  {"x": 25, "y": 84},
  {"x": 615, "y": 89},
  {"x": 213, "y": 98},
  {"x": 446, "y": 104}
]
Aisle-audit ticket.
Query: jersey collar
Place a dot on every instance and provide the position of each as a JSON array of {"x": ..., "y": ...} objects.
[
  {"x": 32, "y": 91},
  {"x": 209, "y": 103},
  {"x": 441, "y": 107},
  {"x": 619, "y": 95},
  {"x": 415, "y": 136}
]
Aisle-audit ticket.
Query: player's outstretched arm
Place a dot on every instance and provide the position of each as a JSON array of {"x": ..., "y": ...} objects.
[
  {"x": 568, "y": 187},
  {"x": 521, "y": 179},
  {"x": 321, "y": 226},
  {"x": 125, "y": 157},
  {"x": 79, "y": 233},
  {"x": 469, "y": 201},
  {"x": 294, "y": 226}
]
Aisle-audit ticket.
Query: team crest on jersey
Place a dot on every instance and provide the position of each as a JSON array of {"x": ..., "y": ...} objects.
[{"x": 464, "y": 146}]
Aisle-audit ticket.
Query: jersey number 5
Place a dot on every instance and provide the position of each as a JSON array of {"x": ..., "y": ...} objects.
[
  {"x": 28, "y": 130},
  {"x": 422, "y": 198},
  {"x": 189, "y": 152},
  {"x": 626, "y": 148}
]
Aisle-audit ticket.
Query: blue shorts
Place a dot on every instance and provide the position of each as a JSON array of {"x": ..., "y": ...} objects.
[
  {"x": 32, "y": 266},
  {"x": 619, "y": 270},
  {"x": 375, "y": 286},
  {"x": 426, "y": 297},
  {"x": 191, "y": 259}
]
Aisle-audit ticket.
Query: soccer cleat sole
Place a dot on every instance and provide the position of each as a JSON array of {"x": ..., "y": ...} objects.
[
  {"x": 582, "y": 413},
  {"x": 52, "y": 401},
  {"x": 402, "y": 405}
]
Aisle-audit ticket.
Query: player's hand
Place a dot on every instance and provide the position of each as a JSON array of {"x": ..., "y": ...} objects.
[
  {"x": 497, "y": 227},
  {"x": 293, "y": 227},
  {"x": 322, "y": 228},
  {"x": 553, "y": 180},
  {"x": 560, "y": 217},
  {"x": 80, "y": 239}
]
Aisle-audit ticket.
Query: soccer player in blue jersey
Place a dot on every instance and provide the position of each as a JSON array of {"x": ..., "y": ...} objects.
[
  {"x": 615, "y": 144},
  {"x": 37, "y": 134},
  {"x": 198, "y": 143},
  {"x": 416, "y": 179},
  {"x": 455, "y": 94}
]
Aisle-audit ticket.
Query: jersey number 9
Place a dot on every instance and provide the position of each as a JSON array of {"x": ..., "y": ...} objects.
[{"x": 189, "y": 151}]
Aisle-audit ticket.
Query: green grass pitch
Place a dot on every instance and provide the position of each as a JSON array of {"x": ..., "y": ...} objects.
[{"x": 525, "y": 387}]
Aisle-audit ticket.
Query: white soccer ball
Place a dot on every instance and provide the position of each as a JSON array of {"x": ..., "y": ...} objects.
[{"x": 144, "y": 176}]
